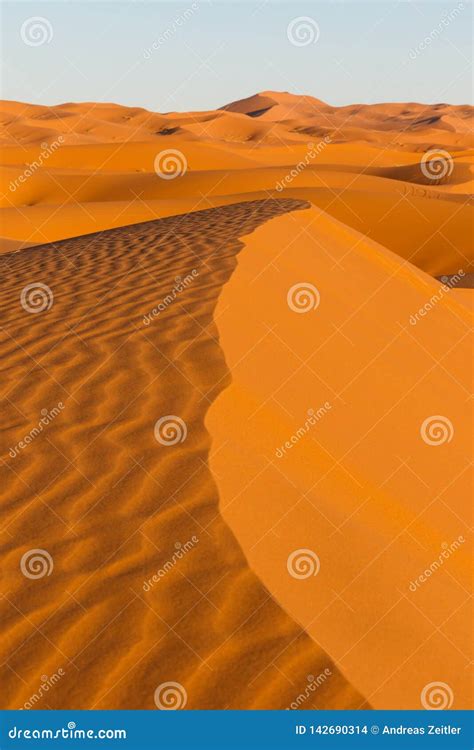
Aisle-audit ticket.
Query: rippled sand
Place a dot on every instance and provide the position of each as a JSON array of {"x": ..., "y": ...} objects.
[{"x": 111, "y": 505}]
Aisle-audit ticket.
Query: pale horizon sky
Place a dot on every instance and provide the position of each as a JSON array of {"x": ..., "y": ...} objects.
[{"x": 200, "y": 55}]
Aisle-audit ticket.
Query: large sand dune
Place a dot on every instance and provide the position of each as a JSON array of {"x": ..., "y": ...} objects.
[
  {"x": 170, "y": 563},
  {"x": 332, "y": 438},
  {"x": 362, "y": 164},
  {"x": 111, "y": 505}
]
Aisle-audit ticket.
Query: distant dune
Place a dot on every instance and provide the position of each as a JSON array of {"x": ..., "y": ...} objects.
[
  {"x": 293, "y": 115},
  {"x": 360, "y": 163}
]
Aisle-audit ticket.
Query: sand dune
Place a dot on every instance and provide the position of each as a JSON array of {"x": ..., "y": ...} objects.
[
  {"x": 111, "y": 505},
  {"x": 88, "y": 122},
  {"x": 146, "y": 317},
  {"x": 362, "y": 164},
  {"x": 337, "y": 467}
]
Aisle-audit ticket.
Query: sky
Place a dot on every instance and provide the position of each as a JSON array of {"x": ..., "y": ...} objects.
[{"x": 198, "y": 55}]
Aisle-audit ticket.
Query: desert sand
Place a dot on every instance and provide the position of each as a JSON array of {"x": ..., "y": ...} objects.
[
  {"x": 361, "y": 165},
  {"x": 111, "y": 505},
  {"x": 356, "y": 484},
  {"x": 165, "y": 296}
]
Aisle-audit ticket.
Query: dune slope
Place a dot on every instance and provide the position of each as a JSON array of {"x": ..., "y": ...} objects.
[
  {"x": 399, "y": 173},
  {"x": 355, "y": 505},
  {"x": 139, "y": 582}
]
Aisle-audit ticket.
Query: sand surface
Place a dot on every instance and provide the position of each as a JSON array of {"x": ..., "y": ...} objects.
[
  {"x": 362, "y": 164},
  {"x": 170, "y": 563},
  {"x": 336, "y": 464},
  {"x": 111, "y": 505}
]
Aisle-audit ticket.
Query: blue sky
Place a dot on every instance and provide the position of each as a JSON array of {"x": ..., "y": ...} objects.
[{"x": 221, "y": 51}]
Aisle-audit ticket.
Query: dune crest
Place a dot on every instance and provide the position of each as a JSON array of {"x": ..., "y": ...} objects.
[
  {"x": 140, "y": 581},
  {"x": 78, "y": 168},
  {"x": 356, "y": 440}
]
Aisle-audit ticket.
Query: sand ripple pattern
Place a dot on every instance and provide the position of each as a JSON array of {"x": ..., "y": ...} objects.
[{"x": 111, "y": 505}]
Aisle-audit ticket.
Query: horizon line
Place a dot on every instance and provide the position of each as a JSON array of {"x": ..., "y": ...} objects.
[{"x": 265, "y": 92}]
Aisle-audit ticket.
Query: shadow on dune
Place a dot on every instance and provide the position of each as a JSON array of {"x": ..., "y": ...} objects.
[{"x": 149, "y": 585}]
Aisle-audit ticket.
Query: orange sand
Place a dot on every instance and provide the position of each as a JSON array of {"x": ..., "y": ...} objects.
[
  {"x": 355, "y": 215},
  {"x": 366, "y": 173},
  {"x": 111, "y": 505},
  {"x": 359, "y": 487}
]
